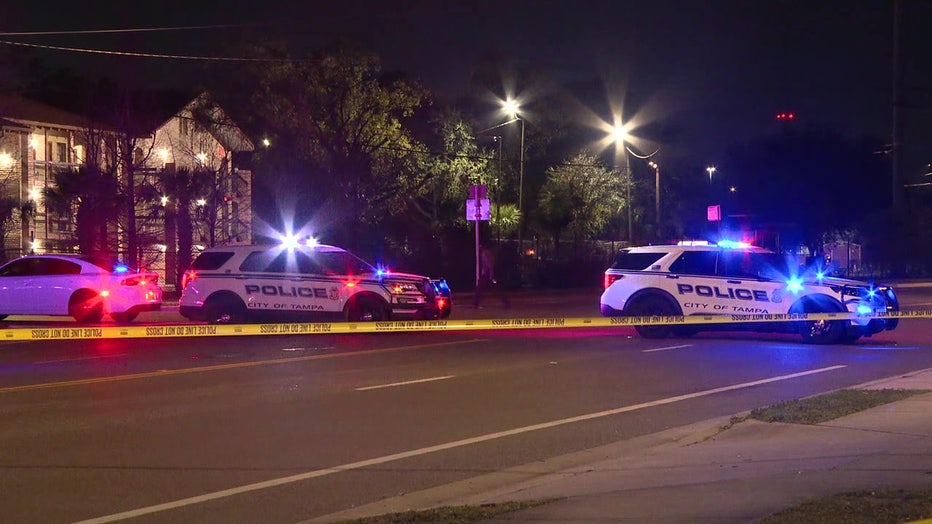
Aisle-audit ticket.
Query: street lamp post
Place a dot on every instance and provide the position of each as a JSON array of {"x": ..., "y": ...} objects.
[
  {"x": 656, "y": 167},
  {"x": 620, "y": 134},
  {"x": 710, "y": 170},
  {"x": 511, "y": 107}
]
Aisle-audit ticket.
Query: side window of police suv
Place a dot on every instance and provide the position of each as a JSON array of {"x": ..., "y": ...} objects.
[
  {"x": 283, "y": 262},
  {"x": 700, "y": 263}
]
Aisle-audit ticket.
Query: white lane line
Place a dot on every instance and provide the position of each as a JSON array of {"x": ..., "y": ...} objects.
[
  {"x": 81, "y": 358},
  {"x": 431, "y": 449},
  {"x": 667, "y": 348},
  {"x": 405, "y": 383}
]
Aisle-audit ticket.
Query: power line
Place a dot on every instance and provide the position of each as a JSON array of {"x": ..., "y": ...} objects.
[
  {"x": 147, "y": 55},
  {"x": 133, "y": 30}
]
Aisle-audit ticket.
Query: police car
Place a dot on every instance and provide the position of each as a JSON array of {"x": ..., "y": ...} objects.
[
  {"x": 734, "y": 278},
  {"x": 235, "y": 284}
]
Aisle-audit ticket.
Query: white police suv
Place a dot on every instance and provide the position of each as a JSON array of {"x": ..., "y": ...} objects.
[
  {"x": 235, "y": 284},
  {"x": 731, "y": 278}
]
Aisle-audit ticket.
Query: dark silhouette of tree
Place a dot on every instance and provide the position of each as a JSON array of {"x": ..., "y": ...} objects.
[
  {"x": 182, "y": 189},
  {"x": 346, "y": 115},
  {"x": 91, "y": 197}
]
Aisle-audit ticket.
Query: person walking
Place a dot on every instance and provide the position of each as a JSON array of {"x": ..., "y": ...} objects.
[{"x": 487, "y": 281}]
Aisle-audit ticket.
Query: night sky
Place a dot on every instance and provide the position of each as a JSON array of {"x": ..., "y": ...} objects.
[{"x": 719, "y": 70}]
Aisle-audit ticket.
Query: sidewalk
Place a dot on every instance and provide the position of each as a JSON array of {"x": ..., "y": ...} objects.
[{"x": 698, "y": 473}]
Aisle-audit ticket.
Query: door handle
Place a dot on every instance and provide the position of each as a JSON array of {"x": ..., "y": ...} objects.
[{"x": 733, "y": 281}]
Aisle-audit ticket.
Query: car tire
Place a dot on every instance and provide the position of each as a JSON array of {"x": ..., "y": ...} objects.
[
  {"x": 366, "y": 309},
  {"x": 86, "y": 307},
  {"x": 821, "y": 331},
  {"x": 123, "y": 318},
  {"x": 224, "y": 310},
  {"x": 648, "y": 306}
]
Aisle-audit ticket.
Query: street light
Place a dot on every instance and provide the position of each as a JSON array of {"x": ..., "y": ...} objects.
[
  {"x": 511, "y": 107},
  {"x": 619, "y": 134},
  {"x": 656, "y": 167},
  {"x": 710, "y": 170}
]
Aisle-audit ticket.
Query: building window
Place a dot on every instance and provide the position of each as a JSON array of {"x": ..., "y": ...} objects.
[
  {"x": 62, "y": 152},
  {"x": 184, "y": 126}
]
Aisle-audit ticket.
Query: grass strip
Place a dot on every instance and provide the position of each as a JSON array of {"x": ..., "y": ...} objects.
[
  {"x": 859, "y": 507},
  {"x": 830, "y": 406},
  {"x": 450, "y": 514}
]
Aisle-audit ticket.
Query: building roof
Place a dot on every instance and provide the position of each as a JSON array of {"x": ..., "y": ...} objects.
[{"x": 14, "y": 107}]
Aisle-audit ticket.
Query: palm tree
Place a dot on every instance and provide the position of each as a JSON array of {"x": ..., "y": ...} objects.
[
  {"x": 184, "y": 187},
  {"x": 92, "y": 197}
]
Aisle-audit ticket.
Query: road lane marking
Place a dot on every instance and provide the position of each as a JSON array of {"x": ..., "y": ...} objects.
[
  {"x": 221, "y": 367},
  {"x": 432, "y": 449},
  {"x": 667, "y": 348},
  {"x": 405, "y": 383}
]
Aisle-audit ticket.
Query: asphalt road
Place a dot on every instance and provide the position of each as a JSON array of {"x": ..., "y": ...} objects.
[{"x": 288, "y": 428}]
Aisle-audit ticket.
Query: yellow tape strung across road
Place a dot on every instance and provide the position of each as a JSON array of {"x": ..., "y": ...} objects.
[{"x": 321, "y": 328}]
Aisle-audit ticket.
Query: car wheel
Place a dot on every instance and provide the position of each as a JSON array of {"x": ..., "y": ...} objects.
[
  {"x": 651, "y": 306},
  {"x": 86, "y": 307},
  {"x": 366, "y": 310},
  {"x": 123, "y": 318},
  {"x": 822, "y": 331},
  {"x": 224, "y": 310}
]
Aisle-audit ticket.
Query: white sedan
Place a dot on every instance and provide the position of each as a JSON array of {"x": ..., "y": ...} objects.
[{"x": 81, "y": 286}]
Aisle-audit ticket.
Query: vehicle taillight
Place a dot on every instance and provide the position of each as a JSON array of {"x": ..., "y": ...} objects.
[
  {"x": 138, "y": 280},
  {"x": 609, "y": 278},
  {"x": 187, "y": 278}
]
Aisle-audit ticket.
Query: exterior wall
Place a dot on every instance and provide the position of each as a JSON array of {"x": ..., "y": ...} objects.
[
  {"x": 29, "y": 157},
  {"x": 222, "y": 215}
]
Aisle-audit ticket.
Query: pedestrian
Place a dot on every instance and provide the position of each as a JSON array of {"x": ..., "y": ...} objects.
[{"x": 487, "y": 281}]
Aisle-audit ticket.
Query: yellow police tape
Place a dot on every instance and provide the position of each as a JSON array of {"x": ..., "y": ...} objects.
[{"x": 322, "y": 328}]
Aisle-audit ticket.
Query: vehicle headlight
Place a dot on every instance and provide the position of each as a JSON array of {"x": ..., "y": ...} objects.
[{"x": 400, "y": 288}]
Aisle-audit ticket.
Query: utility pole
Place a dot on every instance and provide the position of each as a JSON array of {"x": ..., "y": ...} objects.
[{"x": 896, "y": 180}]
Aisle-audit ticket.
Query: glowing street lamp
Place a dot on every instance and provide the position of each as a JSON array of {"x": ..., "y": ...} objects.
[
  {"x": 619, "y": 134},
  {"x": 710, "y": 170}
]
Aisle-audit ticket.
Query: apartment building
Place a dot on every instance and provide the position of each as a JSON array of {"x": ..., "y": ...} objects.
[{"x": 192, "y": 136}]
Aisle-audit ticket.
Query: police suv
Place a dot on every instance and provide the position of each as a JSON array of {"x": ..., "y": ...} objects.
[
  {"x": 235, "y": 284},
  {"x": 731, "y": 278}
]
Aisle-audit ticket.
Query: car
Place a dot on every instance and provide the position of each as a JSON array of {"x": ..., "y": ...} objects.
[
  {"x": 82, "y": 286},
  {"x": 735, "y": 278},
  {"x": 239, "y": 283}
]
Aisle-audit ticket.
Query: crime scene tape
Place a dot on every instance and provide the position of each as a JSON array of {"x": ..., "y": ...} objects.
[{"x": 399, "y": 326}]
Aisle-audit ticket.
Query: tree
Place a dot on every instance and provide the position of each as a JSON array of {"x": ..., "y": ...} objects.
[
  {"x": 186, "y": 187},
  {"x": 581, "y": 196},
  {"x": 347, "y": 117},
  {"x": 92, "y": 197},
  {"x": 438, "y": 189}
]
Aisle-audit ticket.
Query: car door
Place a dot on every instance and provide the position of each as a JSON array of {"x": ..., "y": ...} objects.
[
  {"x": 745, "y": 288},
  {"x": 54, "y": 282},
  {"x": 692, "y": 280},
  {"x": 16, "y": 293}
]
